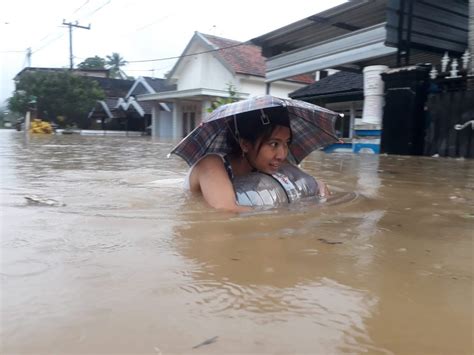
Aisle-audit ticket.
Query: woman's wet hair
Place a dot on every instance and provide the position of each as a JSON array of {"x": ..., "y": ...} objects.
[{"x": 251, "y": 126}]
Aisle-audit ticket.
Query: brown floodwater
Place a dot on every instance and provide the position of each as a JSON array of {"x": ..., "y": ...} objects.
[{"x": 103, "y": 252}]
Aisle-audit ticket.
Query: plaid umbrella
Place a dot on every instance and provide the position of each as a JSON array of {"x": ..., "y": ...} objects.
[{"x": 312, "y": 128}]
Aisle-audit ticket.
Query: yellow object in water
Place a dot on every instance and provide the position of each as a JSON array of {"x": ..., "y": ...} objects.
[{"x": 42, "y": 127}]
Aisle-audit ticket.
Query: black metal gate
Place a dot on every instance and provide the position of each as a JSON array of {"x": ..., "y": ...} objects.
[
  {"x": 429, "y": 117},
  {"x": 449, "y": 131},
  {"x": 404, "y": 116}
]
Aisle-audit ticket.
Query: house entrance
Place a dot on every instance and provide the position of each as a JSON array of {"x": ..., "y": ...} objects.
[{"x": 189, "y": 119}]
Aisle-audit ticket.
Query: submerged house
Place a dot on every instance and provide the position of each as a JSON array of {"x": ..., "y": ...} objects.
[
  {"x": 105, "y": 113},
  {"x": 342, "y": 92},
  {"x": 370, "y": 37},
  {"x": 208, "y": 66},
  {"x": 121, "y": 111}
]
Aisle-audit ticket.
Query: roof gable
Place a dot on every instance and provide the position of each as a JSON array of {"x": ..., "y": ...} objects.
[{"x": 148, "y": 85}]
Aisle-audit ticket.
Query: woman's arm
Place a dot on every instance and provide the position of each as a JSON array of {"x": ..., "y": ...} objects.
[{"x": 210, "y": 177}]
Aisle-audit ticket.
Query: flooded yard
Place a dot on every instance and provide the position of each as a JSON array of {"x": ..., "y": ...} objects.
[{"x": 103, "y": 252}]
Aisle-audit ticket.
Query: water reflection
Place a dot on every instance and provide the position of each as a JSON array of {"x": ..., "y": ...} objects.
[
  {"x": 368, "y": 182},
  {"x": 289, "y": 264}
]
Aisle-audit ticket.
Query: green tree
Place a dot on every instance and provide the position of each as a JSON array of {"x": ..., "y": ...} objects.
[
  {"x": 114, "y": 62},
  {"x": 232, "y": 91},
  {"x": 95, "y": 62},
  {"x": 59, "y": 94}
]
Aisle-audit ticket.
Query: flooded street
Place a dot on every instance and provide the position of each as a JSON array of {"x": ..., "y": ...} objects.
[{"x": 103, "y": 252}]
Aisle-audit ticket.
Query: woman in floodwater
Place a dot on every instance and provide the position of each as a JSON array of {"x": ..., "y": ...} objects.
[{"x": 259, "y": 142}]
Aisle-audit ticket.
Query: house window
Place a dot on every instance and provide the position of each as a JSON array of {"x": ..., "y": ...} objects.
[
  {"x": 345, "y": 126},
  {"x": 189, "y": 122}
]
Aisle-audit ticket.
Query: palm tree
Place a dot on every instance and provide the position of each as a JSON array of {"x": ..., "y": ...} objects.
[{"x": 114, "y": 62}]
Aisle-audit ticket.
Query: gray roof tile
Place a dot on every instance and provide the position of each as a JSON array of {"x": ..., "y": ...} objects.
[{"x": 339, "y": 82}]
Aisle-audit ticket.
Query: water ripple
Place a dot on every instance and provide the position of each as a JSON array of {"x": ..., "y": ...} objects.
[{"x": 24, "y": 267}]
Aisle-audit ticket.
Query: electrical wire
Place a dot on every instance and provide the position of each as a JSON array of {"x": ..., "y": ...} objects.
[
  {"x": 188, "y": 55},
  {"x": 97, "y": 9},
  {"x": 61, "y": 35},
  {"x": 48, "y": 43},
  {"x": 80, "y": 7}
]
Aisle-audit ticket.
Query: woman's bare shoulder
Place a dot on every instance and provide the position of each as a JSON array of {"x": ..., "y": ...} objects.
[{"x": 204, "y": 169}]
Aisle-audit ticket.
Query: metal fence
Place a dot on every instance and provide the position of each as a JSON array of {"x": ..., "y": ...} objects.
[{"x": 450, "y": 121}]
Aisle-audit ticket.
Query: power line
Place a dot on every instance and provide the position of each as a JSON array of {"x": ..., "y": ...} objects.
[
  {"x": 188, "y": 55},
  {"x": 76, "y": 10},
  {"x": 97, "y": 9},
  {"x": 48, "y": 43},
  {"x": 62, "y": 34},
  {"x": 80, "y": 7},
  {"x": 152, "y": 23}
]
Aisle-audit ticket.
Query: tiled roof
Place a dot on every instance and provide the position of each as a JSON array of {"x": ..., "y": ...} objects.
[
  {"x": 111, "y": 102},
  {"x": 339, "y": 82},
  {"x": 246, "y": 58},
  {"x": 158, "y": 84},
  {"x": 100, "y": 111},
  {"x": 243, "y": 58},
  {"x": 114, "y": 87},
  {"x": 302, "y": 78},
  {"x": 147, "y": 106}
]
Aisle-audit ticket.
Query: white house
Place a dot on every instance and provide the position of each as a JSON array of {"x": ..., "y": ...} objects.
[{"x": 203, "y": 73}]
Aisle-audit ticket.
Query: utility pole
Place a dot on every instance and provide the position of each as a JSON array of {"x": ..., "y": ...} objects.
[
  {"x": 28, "y": 57},
  {"x": 71, "y": 25}
]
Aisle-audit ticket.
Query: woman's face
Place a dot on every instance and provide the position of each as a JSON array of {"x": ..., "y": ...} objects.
[{"x": 267, "y": 156}]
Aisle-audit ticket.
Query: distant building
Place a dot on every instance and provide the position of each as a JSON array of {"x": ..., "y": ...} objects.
[
  {"x": 95, "y": 73},
  {"x": 203, "y": 73},
  {"x": 369, "y": 37},
  {"x": 121, "y": 111}
]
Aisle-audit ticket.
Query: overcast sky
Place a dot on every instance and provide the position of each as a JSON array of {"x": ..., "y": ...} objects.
[{"x": 136, "y": 29}]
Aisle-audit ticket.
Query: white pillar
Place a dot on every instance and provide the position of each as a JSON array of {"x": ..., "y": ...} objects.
[
  {"x": 176, "y": 121},
  {"x": 206, "y": 104},
  {"x": 352, "y": 113},
  {"x": 373, "y": 94},
  {"x": 154, "y": 121},
  {"x": 27, "y": 121}
]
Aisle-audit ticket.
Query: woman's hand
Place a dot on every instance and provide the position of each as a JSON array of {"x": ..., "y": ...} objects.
[{"x": 323, "y": 189}]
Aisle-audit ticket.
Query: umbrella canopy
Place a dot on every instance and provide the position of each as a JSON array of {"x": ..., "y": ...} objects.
[{"x": 312, "y": 128}]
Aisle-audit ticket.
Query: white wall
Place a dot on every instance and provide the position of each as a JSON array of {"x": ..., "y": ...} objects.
[
  {"x": 202, "y": 71},
  {"x": 165, "y": 128},
  {"x": 256, "y": 86},
  {"x": 283, "y": 88},
  {"x": 189, "y": 76},
  {"x": 215, "y": 75},
  {"x": 251, "y": 86},
  {"x": 162, "y": 123}
]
